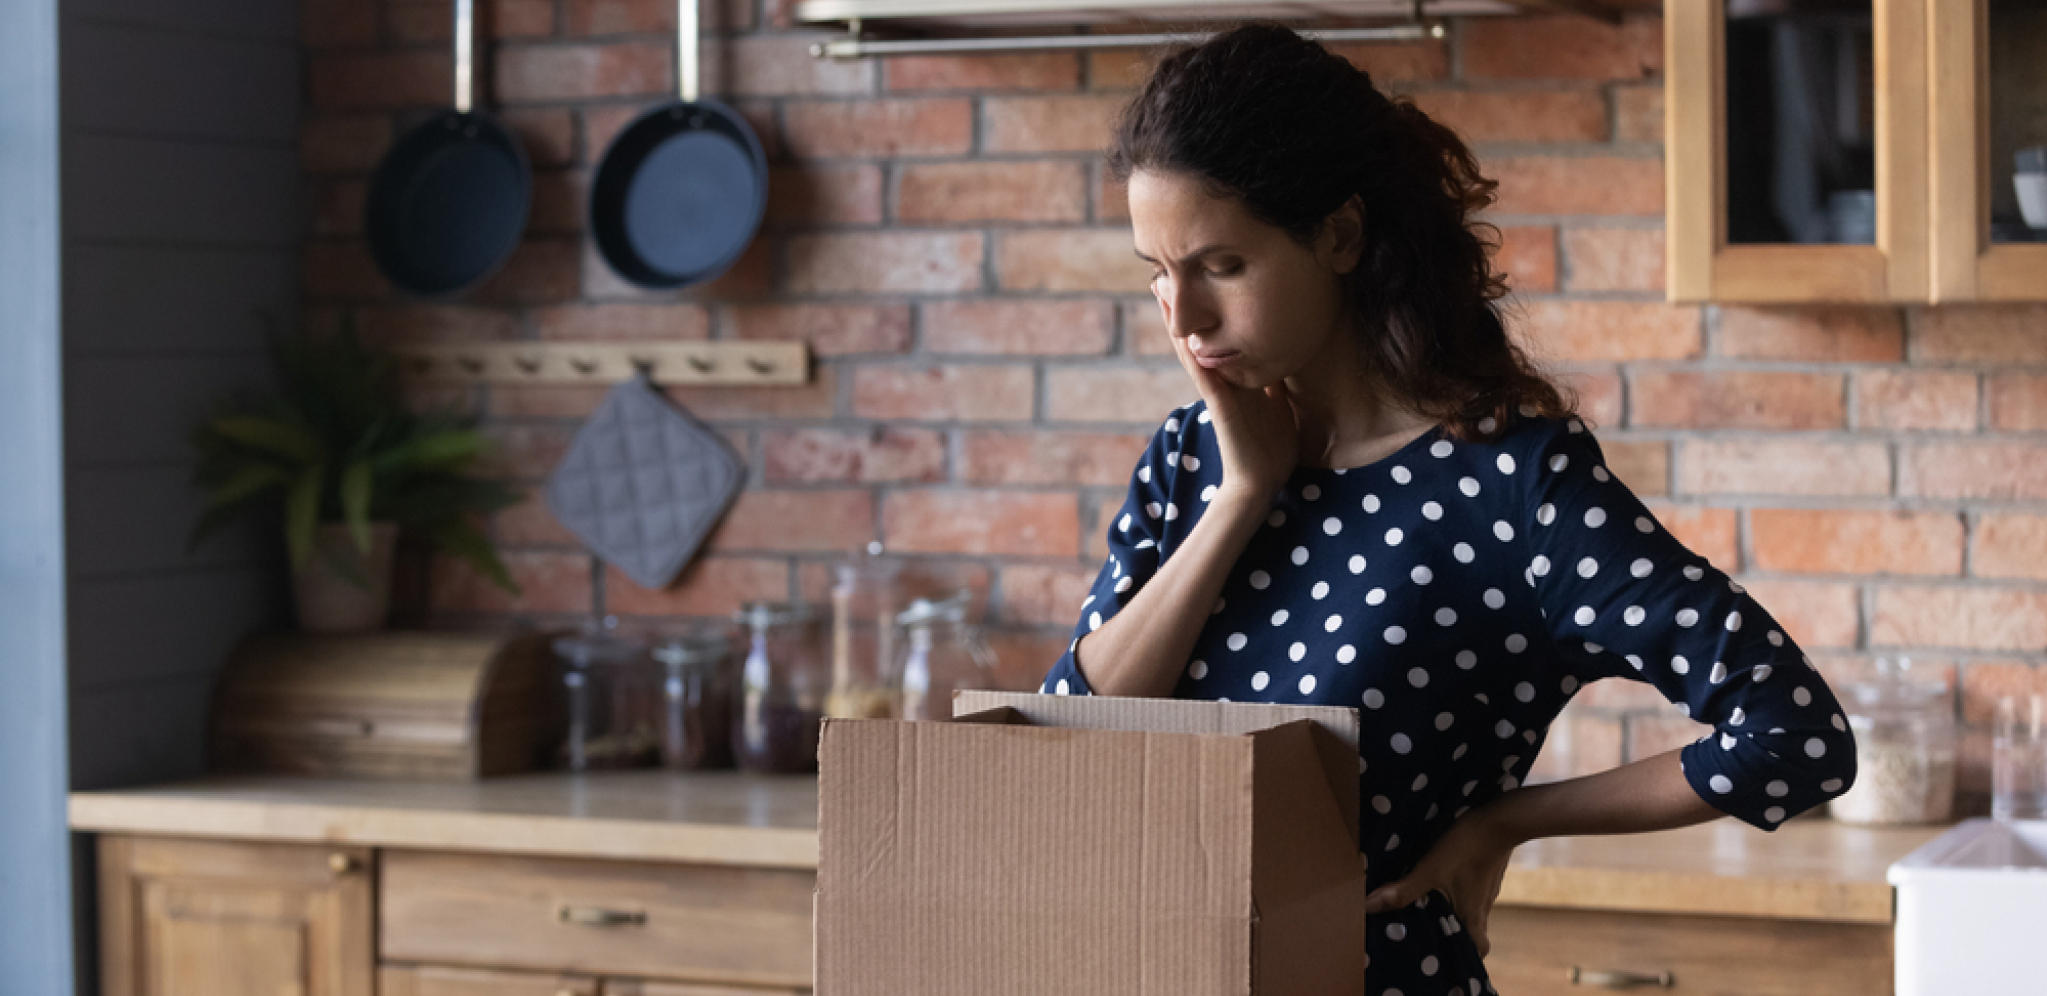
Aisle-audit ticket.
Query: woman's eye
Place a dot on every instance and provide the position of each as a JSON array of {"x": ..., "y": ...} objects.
[{"x": 1226, "y": 271}]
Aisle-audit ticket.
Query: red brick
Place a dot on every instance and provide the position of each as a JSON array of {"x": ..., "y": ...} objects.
[
  {"x": 1614, "y": 259},
  {"x": 530, "y": 524},
  {"x": 1045, "y": 594},
  {"x": 1070, "y": 259},
  {"x": 351, "y": 144},
  {"x": 601, "y": 125},
  {"x": 1528, "y": 257},
  {"x": 1737, "y": 399},
  {"x": 1833, "y": 334},
  {"x": 1577, "y": 115},
  {"x": 1015, "y": 71},
  {"x": 1783, "y": 467},
  {"x": 992, "y": 191},
  {"x": 1641, "y": 464},
  {"x": 752, "y": 278},
  {"x": 1638, "y": 114},
  {"x": 1048, "y": 124},
  {"x": 779, "y": 65},
  {"x": 650, "y": 17},
  {"x": 944, "y": 393},
  {"x": 1578, "y": 745},
  {"x": 575, "y": 401},
  {"x": 1119, "y": 69},
  {"x": 1112, "y": 199},
  {"x": 1023, "y": 656},
  {"x": 1040, "y": 328},
  {"x": 1608, "y": 330},
  {"x": 1660, "y": 733},
  {"x": 549, "y": 135},
  {"x": 1144, "y": 328},
  {"x": 1598, "y": 394},
  {"x": 1983, "y": 683},
  {"x": 1989, "y": 333},
  {"x": 540, "y": 271},
  {"x": 885, "y": 262},
  {"x": 831, "y": 329},
  {"x": 337, "y": 23},
  {"x": 1969, "y": 618},
  {"x": 380, "y": 79},
  {"x": 2018, "y": 402},
  {"x": 1100, "y": 458},
  {"x": 1561, "y": 47},
  {"x": 338, "y": 206},
  {"x": 1712, "y": 533},
  {"x": 433, "y": 21},
  {"x": 914, "y": 126},
  {"x": 981, "y": 522},
  {"x": 796, "y": 521},
  {"x": 1589, "y": 185},
  {"x": 1830, "y": 541},
  {"x": 557, "y": 203},
  {"x": 1915, "y": 399},
  {"x": 571, "y": 72},
  {"x": 414, "y": 323},
  {"x": 340, "y": 271},
  {"x": 2010, "y": 546},
  {"x": 1397, "y": 61},
  {"x": 613, "y": 322},
  {"x": 709, "y": 586},
  {"x": 523, "y": 452},
  {"x": 919, "y": 577},
  {"x": 854, "y": 456},
  {"x": 1143, "y": 395},
  {"x": 548, "y": 582},
  {"x": 1973, "y": 469},
  {"x": 819, "y": 194}
]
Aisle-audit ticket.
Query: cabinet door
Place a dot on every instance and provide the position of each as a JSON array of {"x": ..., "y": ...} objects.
[
  {"x": 212, "y": 918},
  {"x": 656, "y": 987},
  {"x": 1567, "y": 952},
  {"x": 1770, "y": 194},
  {"x": 437, "y": 980},
  {"x": 1989, "y": 92}
]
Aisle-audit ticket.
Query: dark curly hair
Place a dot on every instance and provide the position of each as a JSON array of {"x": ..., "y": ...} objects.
[{"x": 1292, "y": 131}]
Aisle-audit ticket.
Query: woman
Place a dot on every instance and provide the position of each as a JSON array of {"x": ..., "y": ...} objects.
[{"x": 1379, "y": 503}]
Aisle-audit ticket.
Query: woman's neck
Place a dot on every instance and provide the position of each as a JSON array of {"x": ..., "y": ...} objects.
[{"x": 1347, "y": 416}]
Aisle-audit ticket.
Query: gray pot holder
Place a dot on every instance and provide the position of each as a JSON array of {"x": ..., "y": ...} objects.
[{"x": 643, "y": 483}]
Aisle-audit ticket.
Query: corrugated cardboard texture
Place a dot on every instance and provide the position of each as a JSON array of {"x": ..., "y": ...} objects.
[{"x": 1004, "y": 856}]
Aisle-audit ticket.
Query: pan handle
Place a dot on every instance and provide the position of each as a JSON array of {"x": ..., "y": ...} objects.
[
  {"x": 465, "y": 54},
  {"x": 686, "y": 32}
]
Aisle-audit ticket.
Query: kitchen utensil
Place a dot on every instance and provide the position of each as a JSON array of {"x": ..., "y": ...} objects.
[
  {"x": 643, "y": 483},
  {"x": 697, "y": 693},
  {"x": 2018, "y": 758},
  {"x": 943, "y": 653},
  {"x": 782, "y": 689},
  {"x": 614, "y": 688},
  {"x": 448, "y": 203},
  {"x": 681, "y": 190},
  {"x": 2029, "y": 180},
  {"x": 1904, "y": 749}
]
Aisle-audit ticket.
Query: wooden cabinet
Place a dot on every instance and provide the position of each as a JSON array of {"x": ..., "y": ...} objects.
[
  {"x": 440, "y": 980},
  {"x": 1909, "y": 117},
  {"x": 1559, "y": 952},
  {"x": 210, "y": 918},
  {"x": 1988, "y": 70}
]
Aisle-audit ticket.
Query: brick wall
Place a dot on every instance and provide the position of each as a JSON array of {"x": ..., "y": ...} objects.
[{"x": 942, "y": 232}]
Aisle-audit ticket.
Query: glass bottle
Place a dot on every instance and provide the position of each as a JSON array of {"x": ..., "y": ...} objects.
[
  {"x": 866, "y": 593},
  {"x": 942, "y": 654},
  {"x": 613, "y": 699},
  {"x": 2018, "y": 758},
  {"x": 696, "y": 698},
  {"x": 782, "y": 689},
  {"x": 1904, "y": 729}
]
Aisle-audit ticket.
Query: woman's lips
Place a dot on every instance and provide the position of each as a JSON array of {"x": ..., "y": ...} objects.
[{"x": 1210, "y": 361}]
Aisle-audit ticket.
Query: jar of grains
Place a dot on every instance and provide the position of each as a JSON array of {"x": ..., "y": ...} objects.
[{"x": 1904, "y": 727}]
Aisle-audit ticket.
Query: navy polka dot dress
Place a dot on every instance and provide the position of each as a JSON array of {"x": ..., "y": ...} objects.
[{"x": 1458, "y": 594}]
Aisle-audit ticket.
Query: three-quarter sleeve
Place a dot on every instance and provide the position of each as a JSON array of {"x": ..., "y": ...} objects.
[
  {"x": 1622, "y": 597},
  {"x": 1134, "y": 541}
]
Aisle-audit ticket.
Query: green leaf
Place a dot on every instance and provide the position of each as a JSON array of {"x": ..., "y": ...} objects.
[
  {"x": 465, "y": 541},
  {"x": 244, "y": 483},
  {"x": 445, "y": 448},
  {"x": 355, "y": 502},
  {"x": 302, "y": 516},
  {"x": 271, "y": 435}
]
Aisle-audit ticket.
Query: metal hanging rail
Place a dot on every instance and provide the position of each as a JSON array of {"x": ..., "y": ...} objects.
[{"x": 855, "y": 47}]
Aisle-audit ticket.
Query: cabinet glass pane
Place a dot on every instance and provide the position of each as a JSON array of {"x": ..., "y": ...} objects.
[
  {"x": 1801, "y": 121},
  {"x": 2017, "y": 49}
]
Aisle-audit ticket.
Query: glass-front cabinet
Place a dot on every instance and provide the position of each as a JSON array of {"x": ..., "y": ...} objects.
[{"x": 1856, "y": 150}]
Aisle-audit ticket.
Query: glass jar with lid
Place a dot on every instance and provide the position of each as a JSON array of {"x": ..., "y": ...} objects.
[
  {"x": 866, "y": 595},
  {"x": 613, "y": 698},
  {"x": 696, "y": 698},
  {"x": 1904, "y": 726},
  {"x": 942, "y": 653},
  {"x": 782, "y": 688}
]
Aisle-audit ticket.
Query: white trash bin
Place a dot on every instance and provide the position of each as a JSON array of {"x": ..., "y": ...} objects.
[{"x": 1972, "y": 910}]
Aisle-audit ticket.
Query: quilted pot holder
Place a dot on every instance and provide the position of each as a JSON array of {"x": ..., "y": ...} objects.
[{"x": 643, "y": 483}]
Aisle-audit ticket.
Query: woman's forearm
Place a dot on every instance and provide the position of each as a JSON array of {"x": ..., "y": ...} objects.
[
  {"x": 1649, "y": 794},
  {"x": 1141, "y": 649}
]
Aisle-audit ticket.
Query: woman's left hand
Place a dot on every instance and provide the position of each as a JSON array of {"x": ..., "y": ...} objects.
[{"x": 1466, "y": 865}]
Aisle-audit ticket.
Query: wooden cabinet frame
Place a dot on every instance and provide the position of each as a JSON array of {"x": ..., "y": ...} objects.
[
  {"x": 1966, "y": 265},
  {"x": 1702, "y": 265}
]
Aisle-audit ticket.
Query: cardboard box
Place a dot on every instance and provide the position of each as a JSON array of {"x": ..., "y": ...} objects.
[{"x": 1091, "y": 846}]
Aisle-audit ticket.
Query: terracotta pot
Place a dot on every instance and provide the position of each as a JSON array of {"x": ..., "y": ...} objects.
[{"x": 342, "y": 590}]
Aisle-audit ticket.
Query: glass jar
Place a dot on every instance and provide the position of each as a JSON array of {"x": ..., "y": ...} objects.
[
  {"x": 614, "y": 699},
  {"x": 696, "y": 699},
  {"x": 1904, "y": 728},
  {"x": 866, "y": 595},
  {"x": 942, "y": 654},
  {"x": 782, "y": 689}
]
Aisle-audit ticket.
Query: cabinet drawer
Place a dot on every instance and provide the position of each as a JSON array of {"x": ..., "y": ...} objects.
[
  {"x": 435, "y": 980},
  {"x": 1535, "y": 949},
  {"x": 698, "y": 922}
]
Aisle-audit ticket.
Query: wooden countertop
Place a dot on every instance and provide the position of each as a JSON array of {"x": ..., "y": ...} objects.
[{"x": 1810, "y": 869}]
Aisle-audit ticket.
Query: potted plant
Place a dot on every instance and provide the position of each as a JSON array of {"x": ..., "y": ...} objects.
[{"x": 352, "y": 465}]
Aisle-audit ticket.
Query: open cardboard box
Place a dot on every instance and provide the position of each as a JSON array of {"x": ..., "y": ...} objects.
[{"x": 1091, "y": 846}]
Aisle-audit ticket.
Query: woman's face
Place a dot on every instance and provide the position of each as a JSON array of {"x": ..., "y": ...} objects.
[{"x": 1254, "y": 305}]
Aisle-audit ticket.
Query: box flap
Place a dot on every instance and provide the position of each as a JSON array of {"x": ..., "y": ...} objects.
[{"x": 1308, "y": 883}]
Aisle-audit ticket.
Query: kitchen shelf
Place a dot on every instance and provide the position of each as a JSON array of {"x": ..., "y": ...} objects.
[{"x": 731, "y": 364}]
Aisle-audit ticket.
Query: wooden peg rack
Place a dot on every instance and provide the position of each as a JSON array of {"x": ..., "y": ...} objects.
[{"x": 751, "y": 364}]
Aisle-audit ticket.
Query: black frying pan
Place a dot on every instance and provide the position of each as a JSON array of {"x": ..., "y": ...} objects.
[
  {"x": 681, "y": 190},
  {"x": 448, "y": 203}
]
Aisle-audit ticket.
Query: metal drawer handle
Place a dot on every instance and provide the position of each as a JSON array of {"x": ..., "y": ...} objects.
[
  {"x": 598, "y": 916},
  {"x": 1621, "y": 980}
]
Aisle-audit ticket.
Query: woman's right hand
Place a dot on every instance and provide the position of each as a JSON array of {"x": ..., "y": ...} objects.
[{"x": 1255, "y": 429}]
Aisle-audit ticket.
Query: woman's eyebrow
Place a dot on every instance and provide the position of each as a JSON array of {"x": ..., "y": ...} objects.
[{"x": 1198, "y": 252}]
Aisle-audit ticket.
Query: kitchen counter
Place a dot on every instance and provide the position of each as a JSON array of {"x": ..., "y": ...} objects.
[{"x": 1811, "y": 869}]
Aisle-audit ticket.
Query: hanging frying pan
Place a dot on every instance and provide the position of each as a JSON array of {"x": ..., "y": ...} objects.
[
  {"x": 448, "y": 203},
  {"x": 681, "y": 190}
]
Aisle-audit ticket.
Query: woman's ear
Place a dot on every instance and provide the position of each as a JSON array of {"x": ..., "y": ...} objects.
[{"x": 1342, "y": 240}]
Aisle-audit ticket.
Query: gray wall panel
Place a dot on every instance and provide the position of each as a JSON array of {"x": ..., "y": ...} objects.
[
  {"x": 158, "y": 627},
  {"x": 142, "y": 407},
  {"x": 265, "y": 19},
  {"x": 127, "y": 519},
  {"x": 177, "y": 85},
  {"x": 124, "y": 190},
  {"x": 161, "y": 298},
  {"x": 142, "y": 732}
]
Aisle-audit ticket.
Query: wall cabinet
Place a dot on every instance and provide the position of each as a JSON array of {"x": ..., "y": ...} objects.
[{"x": 1851, "y": 150}]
